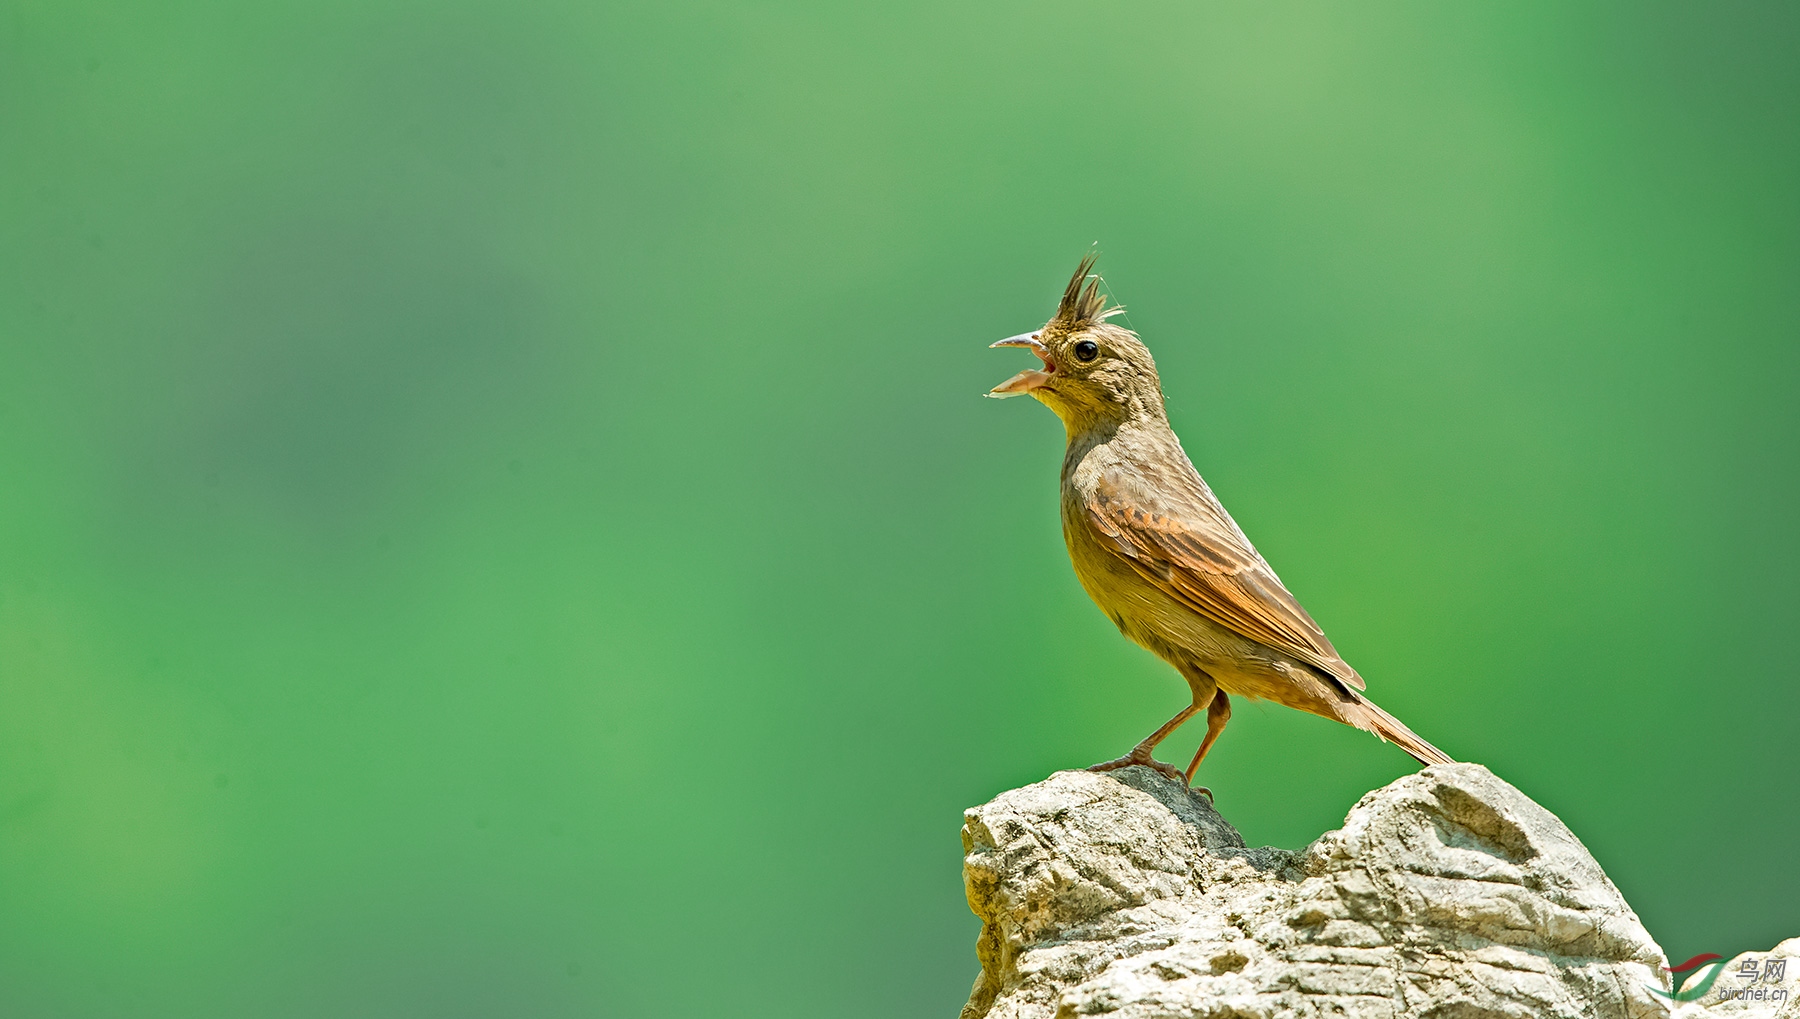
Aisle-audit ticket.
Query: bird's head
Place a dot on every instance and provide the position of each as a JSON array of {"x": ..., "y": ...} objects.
[{"x": 1094, "y": 372}]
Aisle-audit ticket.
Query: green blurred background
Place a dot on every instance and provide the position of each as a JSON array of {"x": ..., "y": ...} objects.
[{"x": 497, "y": 516}]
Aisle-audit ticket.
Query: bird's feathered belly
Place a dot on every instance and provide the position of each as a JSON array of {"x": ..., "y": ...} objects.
[{"x": 1144, "y": 613}]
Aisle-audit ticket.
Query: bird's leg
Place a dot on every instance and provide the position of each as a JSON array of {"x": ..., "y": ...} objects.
[
  {"x": 1217, "y": 714},
  {"x": 1140, "y": 754}
]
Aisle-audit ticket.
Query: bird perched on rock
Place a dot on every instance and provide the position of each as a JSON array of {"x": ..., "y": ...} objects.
[{"x": 1156, "y": 551}]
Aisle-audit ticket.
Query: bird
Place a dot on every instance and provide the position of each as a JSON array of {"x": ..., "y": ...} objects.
[{"x": 1158, "y": 553}]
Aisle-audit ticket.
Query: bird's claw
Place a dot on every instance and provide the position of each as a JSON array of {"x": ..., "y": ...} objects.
[{"x": 1137, "y": 757}]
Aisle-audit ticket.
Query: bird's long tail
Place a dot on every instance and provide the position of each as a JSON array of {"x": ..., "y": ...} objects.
[{"x": 1366, "y": 715}]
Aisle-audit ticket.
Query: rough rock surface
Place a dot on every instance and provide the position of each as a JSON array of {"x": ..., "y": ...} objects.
[{"x": 1447, "y": 894}]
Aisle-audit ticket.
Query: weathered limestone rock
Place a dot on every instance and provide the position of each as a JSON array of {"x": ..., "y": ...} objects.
[{"x": 1447, "y": 894}]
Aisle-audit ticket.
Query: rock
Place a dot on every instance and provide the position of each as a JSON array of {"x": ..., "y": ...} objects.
[{"x": 1447, "y": 894}]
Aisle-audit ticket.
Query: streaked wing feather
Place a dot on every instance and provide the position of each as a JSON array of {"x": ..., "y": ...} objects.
[{"x": 1199, "y": 557}]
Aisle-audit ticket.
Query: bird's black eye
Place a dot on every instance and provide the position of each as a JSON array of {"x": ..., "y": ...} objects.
[{"x": 1087, "y": 350}]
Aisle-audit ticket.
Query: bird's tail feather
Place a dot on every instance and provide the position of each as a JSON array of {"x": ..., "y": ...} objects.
[{"x": 1367, "y": 716}]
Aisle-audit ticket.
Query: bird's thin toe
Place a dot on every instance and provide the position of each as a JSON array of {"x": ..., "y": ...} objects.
[{"x": 1168, "y": 771}]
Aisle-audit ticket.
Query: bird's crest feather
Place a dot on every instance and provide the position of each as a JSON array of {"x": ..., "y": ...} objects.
[{"x": 1082, "y": 302}]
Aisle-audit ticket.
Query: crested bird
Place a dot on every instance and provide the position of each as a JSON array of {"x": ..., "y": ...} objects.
[{"x": 1157, "y": 552}]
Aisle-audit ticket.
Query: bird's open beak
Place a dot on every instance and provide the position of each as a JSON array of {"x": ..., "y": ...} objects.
[{"x": 1030, "y": 378}]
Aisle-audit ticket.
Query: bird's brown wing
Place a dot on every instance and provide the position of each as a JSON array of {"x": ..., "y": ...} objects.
[{"x": 1195, "y": 553}]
